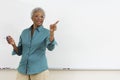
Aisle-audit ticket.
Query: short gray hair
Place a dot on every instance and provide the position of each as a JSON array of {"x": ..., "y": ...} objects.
[{"x": 36, "y": 10}]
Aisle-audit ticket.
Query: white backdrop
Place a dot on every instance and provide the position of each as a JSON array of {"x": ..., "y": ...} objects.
[{"x": 88, "y": 33}]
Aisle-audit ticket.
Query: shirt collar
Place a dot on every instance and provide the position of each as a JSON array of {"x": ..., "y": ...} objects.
[{"x": 38, "y": 28}]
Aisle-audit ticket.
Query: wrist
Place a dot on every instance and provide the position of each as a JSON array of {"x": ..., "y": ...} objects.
[
  {"x": 51, "y": 30},
  {"x": 51, "y": 39},
  {"x": 13, "y": 44},
  {"x": 51, "y": 33}
]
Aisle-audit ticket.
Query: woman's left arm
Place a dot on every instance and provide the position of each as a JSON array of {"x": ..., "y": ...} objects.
[{"x": 52, "y": 43}]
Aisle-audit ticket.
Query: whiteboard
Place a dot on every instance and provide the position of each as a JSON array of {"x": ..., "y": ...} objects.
[{"x": 87, "y": 35}]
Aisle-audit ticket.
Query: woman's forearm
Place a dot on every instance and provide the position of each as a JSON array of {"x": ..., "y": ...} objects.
[
  {"x": 15, "y": 48},
  {"x": 51, "y": 36}
]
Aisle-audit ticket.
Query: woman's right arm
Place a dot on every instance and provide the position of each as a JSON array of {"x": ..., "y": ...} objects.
[
  {"x": 17, "y": 50},
  {"x": 11, "y": 41}
]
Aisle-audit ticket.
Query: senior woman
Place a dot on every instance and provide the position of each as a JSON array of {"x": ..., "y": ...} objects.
[{"x": 32, "y": 46}]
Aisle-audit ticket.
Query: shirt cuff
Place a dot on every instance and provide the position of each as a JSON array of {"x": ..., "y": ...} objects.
[
  {"x": 13, "y": 52},
  {"x": 53, "y": 42}
]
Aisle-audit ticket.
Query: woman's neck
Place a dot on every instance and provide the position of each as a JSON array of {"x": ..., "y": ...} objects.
[{"x": 35, "y": 26}]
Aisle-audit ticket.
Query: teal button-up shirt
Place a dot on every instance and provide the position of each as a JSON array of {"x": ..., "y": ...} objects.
[{"x": 32, "y": 49}]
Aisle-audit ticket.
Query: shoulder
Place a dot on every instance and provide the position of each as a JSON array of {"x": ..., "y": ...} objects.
[
  {"x": 46, "y": 30},
  {"x": 24, "y": 31}
]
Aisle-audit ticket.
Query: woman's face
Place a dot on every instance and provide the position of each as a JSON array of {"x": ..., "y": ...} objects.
[{"x": 38, "y": 18}]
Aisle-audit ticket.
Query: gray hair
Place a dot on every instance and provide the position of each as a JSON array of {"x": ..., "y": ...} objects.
[{"x": 36, "y": 10}]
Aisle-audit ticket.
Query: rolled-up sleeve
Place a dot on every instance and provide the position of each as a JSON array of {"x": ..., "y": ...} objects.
[
  {"x": 19, "y": 48},
  {"x": 51, "y": 44}
]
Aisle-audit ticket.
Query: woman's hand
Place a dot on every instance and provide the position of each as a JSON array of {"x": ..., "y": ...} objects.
[
  {"x": 10, "y": 40},
  {"x": 53, "y": 28}
]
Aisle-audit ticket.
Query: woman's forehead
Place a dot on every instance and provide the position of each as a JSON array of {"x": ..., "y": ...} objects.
[{"x": 38, "y": 13}]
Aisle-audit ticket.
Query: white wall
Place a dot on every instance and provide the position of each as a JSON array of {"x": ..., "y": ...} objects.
[
  {"x": 87, "y": 35},
  {"x": 69, "y": 75}
]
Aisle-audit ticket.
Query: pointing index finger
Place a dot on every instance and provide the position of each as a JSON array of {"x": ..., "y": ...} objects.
[{"x": 56, "y": 22}]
